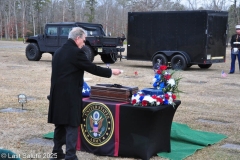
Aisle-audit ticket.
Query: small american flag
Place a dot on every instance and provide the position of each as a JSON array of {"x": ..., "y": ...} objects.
[{"x": 223, "y": 74}]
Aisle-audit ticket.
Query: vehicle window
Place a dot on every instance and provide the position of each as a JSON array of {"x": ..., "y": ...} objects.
[
  {"x": 92, "y": 33},
  {"x": 52, "y": 31},
  {"x": 102, "y": 32},
  {"x": 95, "y": 32},
  {"x": 65, "y": 31}
]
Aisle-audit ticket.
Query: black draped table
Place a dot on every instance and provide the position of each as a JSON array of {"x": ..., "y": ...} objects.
[{"x": 120, "y": 129}]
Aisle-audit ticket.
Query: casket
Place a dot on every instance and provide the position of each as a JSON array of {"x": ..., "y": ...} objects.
[{"x": 112, "y": 92}]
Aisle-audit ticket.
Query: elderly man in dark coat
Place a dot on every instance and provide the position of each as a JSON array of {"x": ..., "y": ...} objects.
[{"x": 65, "y": 101}]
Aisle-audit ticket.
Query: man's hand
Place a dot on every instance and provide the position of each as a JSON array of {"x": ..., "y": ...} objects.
[{"x": 116, "y": 71}]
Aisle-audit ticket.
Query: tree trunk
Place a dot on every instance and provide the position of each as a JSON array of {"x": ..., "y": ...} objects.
[
  {"x": 23, "y": 18},
  {"x": 33, "y": 19},
  {"x": 15, "y": 19}
]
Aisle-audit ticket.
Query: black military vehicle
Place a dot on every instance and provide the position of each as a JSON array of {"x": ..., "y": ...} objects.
[
  {"x": 56, "y": 34},
  {"x": 179, "y": 39}
]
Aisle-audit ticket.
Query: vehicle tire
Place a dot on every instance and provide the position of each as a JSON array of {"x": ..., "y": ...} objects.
[
  {"x": 178, "y": 62},
  {"x": 109, "y": 58},
  {"x": 88, "y": 52},
  {"x": 32, "y": 52},
  {"x": 162, "y": 58},
  {"x": 204, "y": 66}
]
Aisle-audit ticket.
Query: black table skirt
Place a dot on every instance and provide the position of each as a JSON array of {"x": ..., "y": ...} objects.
[{"x": 143, "y": 131}]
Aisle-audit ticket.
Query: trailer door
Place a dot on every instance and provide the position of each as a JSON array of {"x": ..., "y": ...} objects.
[{"x": 216, "y": 37}]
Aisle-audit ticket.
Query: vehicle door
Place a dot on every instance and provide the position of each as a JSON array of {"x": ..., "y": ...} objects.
[
  {"x": 63, "y": 36},
  {"x": 51, "y": 40},
  {"x": 216, "y": 37}
]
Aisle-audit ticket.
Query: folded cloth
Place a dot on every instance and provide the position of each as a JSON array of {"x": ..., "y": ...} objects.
[{"x": 86, "y": 90}]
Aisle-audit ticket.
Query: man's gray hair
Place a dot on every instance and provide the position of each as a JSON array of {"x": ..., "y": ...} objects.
[{"x": 75, "y": 32}]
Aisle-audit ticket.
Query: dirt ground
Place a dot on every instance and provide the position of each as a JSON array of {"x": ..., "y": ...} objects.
[{"x": 209, "y": 102}]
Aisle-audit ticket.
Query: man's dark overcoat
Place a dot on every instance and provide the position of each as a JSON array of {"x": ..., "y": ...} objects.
[{"x": 68, "y": 66}]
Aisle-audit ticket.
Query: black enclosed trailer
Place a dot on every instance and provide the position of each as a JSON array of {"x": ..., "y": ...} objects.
[{"x": 179, "y": 39}]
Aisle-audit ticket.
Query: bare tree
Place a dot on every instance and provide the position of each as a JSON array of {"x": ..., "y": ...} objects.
[
  {"x": 15, "y": 19},
  {"x": 1, "y": 19},
  {"x": 22, "y": 4},
  {"x": 32, "y": 10},
  {"x": 217, "y": 5},
  {"x": 124, "y": 7},
  {"x": 106, "y": 5},
  {"x": 145, "y": 5},
  {"x": 79, "y": 10},
  {"x": 236, "y": 15},
  {"x": 91, "y": 4},
  {"x": 7, "y": 19},
  {"x": 193, "y": 4}
]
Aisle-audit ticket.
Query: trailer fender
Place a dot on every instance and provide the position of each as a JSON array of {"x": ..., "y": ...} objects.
[
  {"x": 170, "y": 54},
  {"x": 185, "y": 55}
]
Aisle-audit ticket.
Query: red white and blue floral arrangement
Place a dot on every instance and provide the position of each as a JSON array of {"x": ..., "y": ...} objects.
[{"x": 164, "y": 92}]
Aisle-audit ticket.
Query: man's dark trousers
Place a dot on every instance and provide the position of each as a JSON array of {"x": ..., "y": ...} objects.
[
  {"x": 233, "y": 59},
  {"x": 65, "y": 134}
]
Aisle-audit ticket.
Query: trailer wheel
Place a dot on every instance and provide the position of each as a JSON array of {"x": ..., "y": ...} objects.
[
  {"x": 204, "y": 66},
  {"x": 32, "y": 52},
  {"x": 109, "y": 58},
  {"x": 178, "y": 62},
  {"x": 162, "y": 59},
  {"x": 88, "y": 52}
]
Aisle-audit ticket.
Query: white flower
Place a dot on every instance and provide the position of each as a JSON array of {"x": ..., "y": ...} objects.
[
  {"x": 149, "y": 99},
  {"x": 171, "y": 82},
  {"x": 158, "y": 103},
  {"x": 137, "y": 96},
  {"x": 154, "y": 80},
  {"x": 170, "y": 100},
  {"x": 166, "y": 72}
]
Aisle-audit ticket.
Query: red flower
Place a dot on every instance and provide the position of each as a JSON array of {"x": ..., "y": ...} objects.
[
  {"x": 159, "y": 71},
  {"x": 167, "y": 77},
  {"x": 134, "y": 101},
  {"x": 159, "y": 100},
  {"x": 166, "y": 96},
  {"x": 174, "y": 96},
  {"x": 154, "y": 96},
  {"x": 144, "y": 103},
  {"x": 163, "y": 67}
]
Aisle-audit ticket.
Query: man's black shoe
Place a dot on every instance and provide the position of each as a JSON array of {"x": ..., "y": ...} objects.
[{"x": 230, "y": 72}]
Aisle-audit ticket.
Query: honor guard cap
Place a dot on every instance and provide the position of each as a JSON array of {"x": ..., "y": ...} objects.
[{"x": 237, "y": 27}]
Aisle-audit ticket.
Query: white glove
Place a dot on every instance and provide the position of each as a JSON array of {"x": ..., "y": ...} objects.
[{"x": 235, "y": 49}]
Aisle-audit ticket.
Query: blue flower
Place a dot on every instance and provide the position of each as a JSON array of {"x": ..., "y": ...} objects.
[
  {"x": 162, "y": 85},
  {"x": 165, "y": 101},
  {"x": 155, "y": 84},
  {"x": 141, "y": 98},
  {"x": 158, "y": 77}
]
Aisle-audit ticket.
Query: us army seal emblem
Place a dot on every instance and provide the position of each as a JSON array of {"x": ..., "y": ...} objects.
[{"x": 98, "y": 124}]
